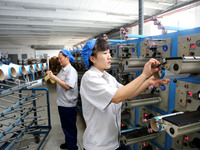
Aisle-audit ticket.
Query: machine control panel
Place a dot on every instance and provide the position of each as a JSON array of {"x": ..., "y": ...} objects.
[
  {"x": 127, "y": 51},
  {"x": 156, "y": 48},
  {"x": 189, "y": 45}
]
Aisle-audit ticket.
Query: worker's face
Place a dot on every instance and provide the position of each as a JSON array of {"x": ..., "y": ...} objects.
[
  {"x": 102, "y": 60},
  {"x": 63, "y": 60}
]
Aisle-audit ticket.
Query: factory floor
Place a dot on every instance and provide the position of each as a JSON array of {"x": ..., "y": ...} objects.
[{"x": 56, "y": 135}]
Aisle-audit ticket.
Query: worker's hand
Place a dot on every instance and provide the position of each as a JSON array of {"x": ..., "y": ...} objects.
[
  {"x": 148, "y": 70},
  {"x": 48, "y": 72},
  {"x": 156, "y": 82},
  {"x": 51, "y": 75}
]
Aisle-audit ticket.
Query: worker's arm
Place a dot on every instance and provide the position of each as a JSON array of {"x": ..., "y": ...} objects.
[
  {"x": 56, "y": 79},
  {"x": 151, "y": 81},
  {"x": 127, "y": 91}
]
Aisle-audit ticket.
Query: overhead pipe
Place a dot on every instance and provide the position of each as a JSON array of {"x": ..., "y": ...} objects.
[
  {"x": 175, "y": 28},
  {"x": 141, "y": 16},
  {"x": 116, "y": 41},
  {"x": 169, "y": 11},
  {"x": 137, "y": 36},
  {"x": 189, "y": 4}
]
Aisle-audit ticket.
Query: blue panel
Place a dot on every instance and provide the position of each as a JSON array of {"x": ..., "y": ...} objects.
[
  {"x": 136, "y": 115},
  {"x": 174, "y": 46},
  {"x": 172, "y": 95},
  {"x": 128, "y": 148},
  {"x": 125, "y": 147},
  {"x": 168, "y": 142},
  {"x": 174, "y": 28},
  {"x": 117, "y": 51},
  {"x": 135, "y": 146},
  {"x": 116, "y": 41},
  {"x": 172, "y": 87},
  {"x": 157, "y": 144},
  {"x": 157, "y": 110},
  {"x": 191, "y": 79},
  {"x": 134, "y": 127},
  {"x": 138, "y": 47},
  {"x": 136, "y": 36}
]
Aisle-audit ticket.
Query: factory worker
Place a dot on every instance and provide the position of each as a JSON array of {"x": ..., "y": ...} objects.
[
  {"x": 102, "y": 95},
  {"x": 67, "y": 92}
]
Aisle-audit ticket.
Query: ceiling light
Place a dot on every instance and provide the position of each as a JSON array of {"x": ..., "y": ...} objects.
[{"x": 162, "y": 3}]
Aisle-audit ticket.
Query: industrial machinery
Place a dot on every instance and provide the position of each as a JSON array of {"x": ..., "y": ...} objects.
[
  {"x": 24, "y": 122},
  {"x": 164, "y": 117},
  {"x": 177, "y": 124}
]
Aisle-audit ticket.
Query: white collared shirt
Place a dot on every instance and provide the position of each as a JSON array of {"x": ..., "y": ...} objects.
[
  {"x": 67, "y": 98},
  {"x": 103, "y": 118}
]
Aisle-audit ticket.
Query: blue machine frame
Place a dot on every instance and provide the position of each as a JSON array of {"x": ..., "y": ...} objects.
[
  {"x": 47, "y": 128},
  {"x": 172, "y": 88}
]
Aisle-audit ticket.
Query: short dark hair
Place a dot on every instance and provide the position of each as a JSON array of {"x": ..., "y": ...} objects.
[{"x": 100, "y": 45}]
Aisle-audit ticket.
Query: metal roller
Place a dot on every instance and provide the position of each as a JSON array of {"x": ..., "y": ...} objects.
[
  {"x": 136, "y": 62},
  {"x": 132, "y": 64},
  {"x": 132, "y": 137},
  {"x": 115, "y": 62},
  {"x": 141, "y": 102},
  {"x": 183, "y": 65},
  {"x": 165, "y": 74}
]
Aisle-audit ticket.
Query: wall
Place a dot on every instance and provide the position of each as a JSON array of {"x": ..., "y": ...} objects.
[
  {"x": 18, "y": 50},
  {"x": 183, "y": 19},
  {"x": 49, "y": 53}
]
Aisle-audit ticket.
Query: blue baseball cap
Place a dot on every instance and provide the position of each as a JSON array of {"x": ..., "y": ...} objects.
[
  {"x": 67, "y": 53},
  {"x": 87, "y": 52}
]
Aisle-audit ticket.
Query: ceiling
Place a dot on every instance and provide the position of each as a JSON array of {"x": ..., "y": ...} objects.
[{"x": 57, "y": 23}]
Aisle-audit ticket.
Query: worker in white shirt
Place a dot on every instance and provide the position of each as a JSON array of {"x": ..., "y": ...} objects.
[
  {"x": 67, "y": 92},
  {"x": 102, "y": 95}
]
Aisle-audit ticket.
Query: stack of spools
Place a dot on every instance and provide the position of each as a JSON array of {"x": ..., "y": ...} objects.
[{"x": 54, "y": 65}]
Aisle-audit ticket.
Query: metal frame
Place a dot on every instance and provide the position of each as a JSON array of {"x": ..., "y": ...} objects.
[
  {"x": 47, "y": 128},
  {"x": 172, "y": 89}
]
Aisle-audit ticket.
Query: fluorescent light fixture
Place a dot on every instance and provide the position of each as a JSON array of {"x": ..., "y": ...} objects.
[{"x": 162, "y": 3}]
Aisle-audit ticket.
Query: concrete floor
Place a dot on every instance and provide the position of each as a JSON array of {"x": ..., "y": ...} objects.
[{"x": 56, "y": 135}]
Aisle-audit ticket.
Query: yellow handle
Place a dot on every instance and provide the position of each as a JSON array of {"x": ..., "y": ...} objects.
[
  {"x": 46, "y": 77},
  {"x": 52, "y": 81}
]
